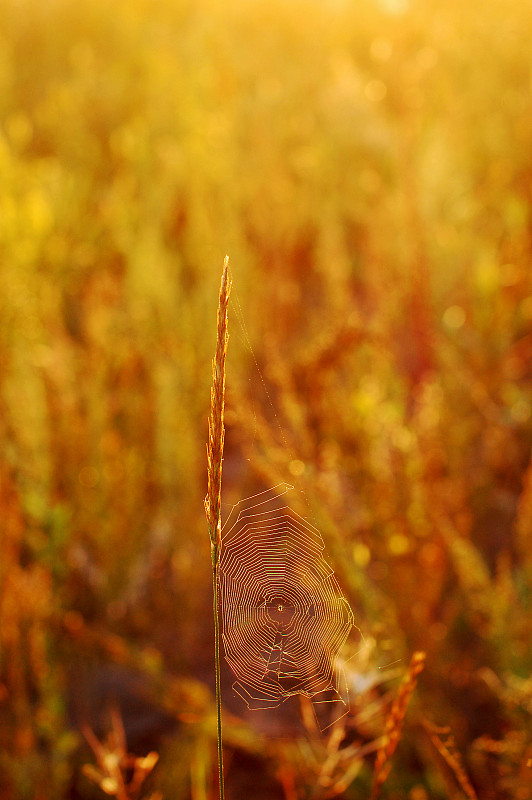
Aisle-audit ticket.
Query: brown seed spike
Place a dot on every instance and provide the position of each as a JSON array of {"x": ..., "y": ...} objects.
[
  {"x": 215, "y": 451},
  {"x": 448, "y": 751},
  {"x": 394, "y": 723},
  {"x": 215, "y": 444}
]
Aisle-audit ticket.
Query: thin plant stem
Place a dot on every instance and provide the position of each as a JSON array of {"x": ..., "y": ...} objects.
[
  {"x": 215, "y": 449},
  {"x": 218, "y": 686}
]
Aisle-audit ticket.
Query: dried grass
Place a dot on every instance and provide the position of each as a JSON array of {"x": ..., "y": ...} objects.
[
  {"x": 215, "y": 450},
  {"x": 215, "y": 444},
  {"x": 451, "y": 756},
  {"x": 394, "y": 723},
  {"x": 118, "y": 773}
]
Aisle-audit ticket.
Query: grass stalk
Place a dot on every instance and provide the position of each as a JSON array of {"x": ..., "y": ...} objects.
[
  {"x": 394, "y": 723},
  {"x": 215, "y": 449}
]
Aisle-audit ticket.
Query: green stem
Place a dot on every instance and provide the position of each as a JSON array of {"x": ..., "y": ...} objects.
[{"x": 217, "y": 667}]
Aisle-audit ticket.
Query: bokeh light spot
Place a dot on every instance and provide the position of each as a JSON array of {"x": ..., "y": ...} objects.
[
  {"x": 296, "y": 468},
  {"x": 398, "y": 544},
  {"x": 89, "y": 477},
  {"x": 361, "y": 554},
  {"x": 454, "y": 317}
]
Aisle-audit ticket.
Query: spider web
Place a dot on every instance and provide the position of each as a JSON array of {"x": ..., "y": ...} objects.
[{"x": 285, "y": 619}]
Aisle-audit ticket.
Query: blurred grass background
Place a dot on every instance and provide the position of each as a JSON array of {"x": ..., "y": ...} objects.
[{"x": 368, "y": 167}]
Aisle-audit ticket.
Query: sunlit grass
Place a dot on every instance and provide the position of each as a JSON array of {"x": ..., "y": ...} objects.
[{"x": 368, "y": 166}]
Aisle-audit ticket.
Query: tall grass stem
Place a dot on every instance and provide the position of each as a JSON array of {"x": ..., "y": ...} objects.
[{"x": 215, "y": 449}]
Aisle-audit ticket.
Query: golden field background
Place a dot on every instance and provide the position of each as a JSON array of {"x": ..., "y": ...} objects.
[{"x": 367, "y": 166}]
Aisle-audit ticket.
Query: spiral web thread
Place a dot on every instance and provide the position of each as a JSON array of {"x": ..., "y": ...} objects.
[{"x": 284, "y": 617}]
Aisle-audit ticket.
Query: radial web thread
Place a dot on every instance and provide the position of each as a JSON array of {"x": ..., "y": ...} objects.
[{"x": 285, "y": 619}]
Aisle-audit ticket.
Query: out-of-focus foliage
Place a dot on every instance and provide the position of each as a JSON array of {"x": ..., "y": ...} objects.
[{"x": 368, "y": 167}]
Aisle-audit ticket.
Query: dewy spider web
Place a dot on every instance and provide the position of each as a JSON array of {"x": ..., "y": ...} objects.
[{"x": 284, "y": 617}]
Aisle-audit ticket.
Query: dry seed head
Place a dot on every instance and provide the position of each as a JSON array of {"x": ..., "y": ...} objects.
[
  {"x": 394, "y": 723},
  {"x": 451, "y": 756},
  {"x": 215, "y": 444}
]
